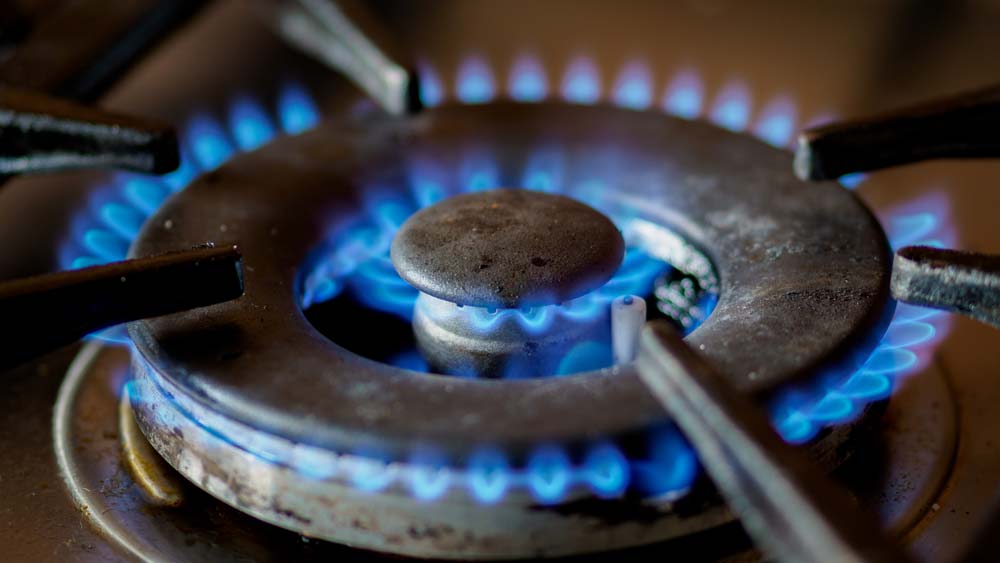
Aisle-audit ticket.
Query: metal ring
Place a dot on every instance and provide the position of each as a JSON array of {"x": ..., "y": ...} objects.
[{"x": 804, "y": 272}]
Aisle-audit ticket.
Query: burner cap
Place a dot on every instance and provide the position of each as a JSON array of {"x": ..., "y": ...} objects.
[{"x": 507, "y": 248}]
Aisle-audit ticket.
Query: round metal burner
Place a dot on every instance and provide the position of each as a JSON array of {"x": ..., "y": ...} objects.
[
  {"x": 511, "y": 249},
  {"x": 507, "y": 248},
  {"x": 803, "y": 271},
  {"x": 899, "y": 481}
]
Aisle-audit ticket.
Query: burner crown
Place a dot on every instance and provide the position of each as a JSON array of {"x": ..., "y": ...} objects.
[{"x": 507, "y": 248}]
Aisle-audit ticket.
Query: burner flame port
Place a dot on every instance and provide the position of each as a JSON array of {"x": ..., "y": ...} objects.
[{"x": 508, "y": 343}]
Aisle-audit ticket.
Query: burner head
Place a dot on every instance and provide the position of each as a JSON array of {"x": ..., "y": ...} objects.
[{"x": 507, "y": 248}]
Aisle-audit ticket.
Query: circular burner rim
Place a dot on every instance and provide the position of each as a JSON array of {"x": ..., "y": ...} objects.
[
  {"x": 126, "y": 520},
  {"x": 225, "y": 356},
  {"x": 507, "y": 275}
]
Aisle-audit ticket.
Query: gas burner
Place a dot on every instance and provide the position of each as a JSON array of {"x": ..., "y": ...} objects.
[
  {"x": 250, "y": 402},
  {"x": 508, "y": 249},
  {"x": 660, "y": 312},
  {"x": 497, "y": 273}
]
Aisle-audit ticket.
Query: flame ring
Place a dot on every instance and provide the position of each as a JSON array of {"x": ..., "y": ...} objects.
[
  {"x": 277, "y": 227},
  {"x": 103, "y": 231}
]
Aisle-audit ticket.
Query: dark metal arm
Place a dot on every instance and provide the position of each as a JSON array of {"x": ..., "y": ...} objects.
[
  {"x": 44, "y": 312},
  {"x": 58, "y": 56},
  {"x": 77, "y": 50},
  {"x": 953, "y": 280},
  {"x": 41, "y": 134},
  {"x": 786, "y": 504},
  {"x": 965, "y": 126},
  {"x": 346, "y": 37}
]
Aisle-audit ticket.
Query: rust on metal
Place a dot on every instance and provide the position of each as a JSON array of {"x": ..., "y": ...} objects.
[
  {"x": 159, "y": 483},
  {"x": 953, "y": 280}
]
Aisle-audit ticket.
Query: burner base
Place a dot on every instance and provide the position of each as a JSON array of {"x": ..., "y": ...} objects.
[{"x": 901, "y": 489}]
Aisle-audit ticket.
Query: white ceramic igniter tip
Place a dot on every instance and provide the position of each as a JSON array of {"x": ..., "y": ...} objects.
[{"x": 628, "y": 315}]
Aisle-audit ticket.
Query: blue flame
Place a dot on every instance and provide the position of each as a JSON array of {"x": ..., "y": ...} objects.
[
  {"x": 397, "y": 296},
  {"x": 544, "y": 171},
  {"x": 105, "y": 245},
  {"x": 671, "y": 465},
  {"x": 912, "y": 332},
  {"x": 684, "y": 95},
  {"x": 489, "y": 475},
  {"x": 297, "y": 111},
  {"x": 479, "y": 172},
  {"x": 921, "y": 222},
  {"x": 852, "y": 181},
  {"x": 145, "y": 194},
  {"x": 427, "y": 182},
  {"x": 250, "y": 124},
  {"x": 208, "y": 142},
  {"x": 431, "y": 90},
  {"x": 123, "y": 220},
  {"x": 776, "y": 124},
  {"x": 371, "y": 474},
  {"x": 314, "y": 463},
  {"x": 606, "y": 470},
  {"x": 186, "y": 171},
  {"x": 429, "y": 482},
  {"x": 634, "y": 89},
  {"x": 821, "y": 118},
  {"x": 548, "y": 473},
  {"x": 527, "y": 80},
  {"x": 581, "y": 83},
  {"x": 585, "y": 356},
  {"x": 475, "y": 82},
  {"x": 732, "y": 107}
]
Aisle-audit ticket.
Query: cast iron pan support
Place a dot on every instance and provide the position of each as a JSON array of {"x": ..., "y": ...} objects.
[
  {"x": 787, "y": 505},
  {"x": 42, "y": 134},
  {"x": 347, "y": 37},
  {"x": 39, "y": 133},
  {"x": 962, "y": 126},
  {"x": 45, "y": 312}
]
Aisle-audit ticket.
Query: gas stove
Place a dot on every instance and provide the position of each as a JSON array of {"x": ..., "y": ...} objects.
[{"x": 414, "y": 332}]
